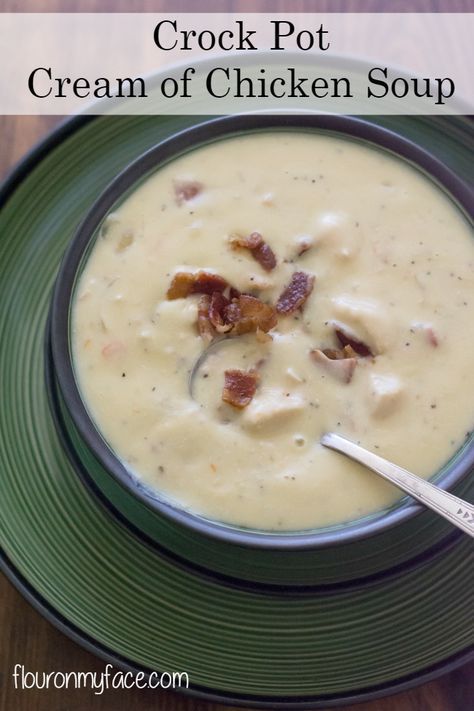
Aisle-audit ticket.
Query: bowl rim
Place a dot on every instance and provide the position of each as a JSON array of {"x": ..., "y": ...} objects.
[{"x": 163, "y": 152}]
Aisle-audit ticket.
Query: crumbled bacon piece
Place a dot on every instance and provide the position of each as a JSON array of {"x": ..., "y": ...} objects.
[
  {"x": 185, "y": 283},
  {"x": 239, "y": 312},
  {"x": 180, "y": 286},
  {"x": 217, "y": 312},
  {"x": 232, "y": 312},
  {"x": 249, "y": 314},
  {"x": 244, "y": 314},
  {"x": 205, "y": 328},
  {"x": 239, "y": 387},
  {"x": 295, "y": 294},
  {"x": 340, "y": 363},
  {"x": 346, "y": 338},
  {"x": 185, "y": 190},
  {"x": 261, "y": 251}
]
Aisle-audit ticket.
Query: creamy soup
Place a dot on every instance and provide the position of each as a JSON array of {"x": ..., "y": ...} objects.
[{"x": 332, "y": 285}]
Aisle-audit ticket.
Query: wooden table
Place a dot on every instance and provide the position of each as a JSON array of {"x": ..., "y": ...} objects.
[{"x": 26, "y": 638}]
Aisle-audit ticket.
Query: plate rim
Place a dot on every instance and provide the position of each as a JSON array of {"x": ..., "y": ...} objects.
[
  {"x": 14, "y": 177},
  {"x": 87, "y": 642}
]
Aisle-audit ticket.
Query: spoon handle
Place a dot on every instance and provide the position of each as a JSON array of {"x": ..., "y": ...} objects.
[{"x": 455, "y": 510}]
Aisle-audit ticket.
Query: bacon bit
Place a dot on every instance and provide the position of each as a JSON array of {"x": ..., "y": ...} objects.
[
  {"x": 208, "y": 283},
  {"x": 180, "y": 286},
  {"x": 185, "y": 190},
  {"x": 185, "y": 283},
  {"x": 217, "y": 312},
  {"x": 239, "y": 387},
  {"x": 295, "y": 294},
  {"x": 113, "y": 348},
  {"x": 234, "y": 293},
  {"x": 213, "y": 468},
  {"x": 243, "y": 315},
  {"x": 261, "y": 251},
  {"x": 348, "y": 339},
  {"x": 204, "y": 324},
  {"x": 340, "y": 363},
  {"x": 232, "y": 312},
  {"x": 252, "y": 314}
]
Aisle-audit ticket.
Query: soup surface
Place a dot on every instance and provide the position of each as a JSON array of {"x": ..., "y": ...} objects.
[{"x": 344, "y": 282}]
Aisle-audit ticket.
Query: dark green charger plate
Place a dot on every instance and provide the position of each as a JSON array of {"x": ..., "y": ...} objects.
[{"x": 115, "y": 594}]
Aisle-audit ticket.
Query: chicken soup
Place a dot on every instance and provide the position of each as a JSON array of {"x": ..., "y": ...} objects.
[{"x": 260, "y": 291}]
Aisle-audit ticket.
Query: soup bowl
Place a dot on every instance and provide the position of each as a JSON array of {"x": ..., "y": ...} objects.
[{"x": 377, "y": 544}]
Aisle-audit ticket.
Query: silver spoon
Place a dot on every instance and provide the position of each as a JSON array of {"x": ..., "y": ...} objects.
[
  {"x": 214, "y": 345},
  {"x": 199, "y": 361},
  {"x": 455, "y": 510}
]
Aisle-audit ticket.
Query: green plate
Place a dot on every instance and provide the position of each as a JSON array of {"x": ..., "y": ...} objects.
[{"x": 132, "y": 604}]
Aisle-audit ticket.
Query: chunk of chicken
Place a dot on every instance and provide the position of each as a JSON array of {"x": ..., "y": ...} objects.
[
  {"x": 385, "y": 394},
  {"x": 338, "y": 234},
  {"x": 272, "y": 408},
  {"x": 367, "y": 319},
  {"x": 341, "y": 368}
]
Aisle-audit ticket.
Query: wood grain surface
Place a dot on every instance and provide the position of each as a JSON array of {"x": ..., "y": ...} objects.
[{"x": 25, "y": 637}]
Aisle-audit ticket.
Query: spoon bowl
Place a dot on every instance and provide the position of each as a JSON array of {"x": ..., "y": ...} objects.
[{"x": 199, "y": 362}]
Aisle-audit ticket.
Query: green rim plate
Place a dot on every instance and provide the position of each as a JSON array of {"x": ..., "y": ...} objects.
[{"x": 112, "y": 592}]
